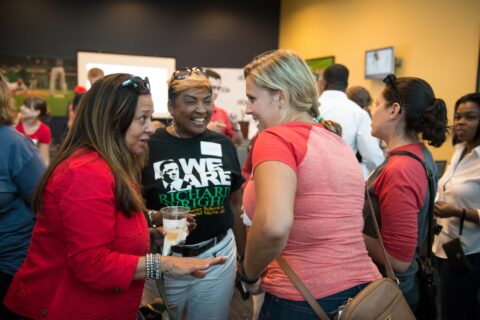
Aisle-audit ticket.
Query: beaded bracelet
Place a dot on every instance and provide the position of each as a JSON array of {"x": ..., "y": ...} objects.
[{"x": 153, "y": 266}]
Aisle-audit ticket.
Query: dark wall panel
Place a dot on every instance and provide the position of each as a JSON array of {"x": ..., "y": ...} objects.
[{"x": 196, "y": 32}]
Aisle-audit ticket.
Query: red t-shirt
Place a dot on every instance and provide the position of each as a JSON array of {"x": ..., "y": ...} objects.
[
  {"x": 325, "y": 246},
  {"x": 83, "y": 253},
  {"x": 220, "y": 114},
  {"x": 42, "y": 135},
  {"x": 401, "y": 188}
]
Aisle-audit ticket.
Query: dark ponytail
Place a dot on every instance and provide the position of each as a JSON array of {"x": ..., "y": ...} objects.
[
  {"x": 424, "y": 114},
  {"x": 434, "y": 123}
]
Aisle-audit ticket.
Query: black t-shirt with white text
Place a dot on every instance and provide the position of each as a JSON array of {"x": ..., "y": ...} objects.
[{"x": 199, "y": 173}]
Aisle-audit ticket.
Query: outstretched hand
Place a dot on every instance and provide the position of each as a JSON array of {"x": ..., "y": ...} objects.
[{"x": 180, "y": 266}]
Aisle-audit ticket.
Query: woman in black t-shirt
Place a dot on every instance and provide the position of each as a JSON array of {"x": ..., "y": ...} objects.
[{"x": 194, "y": 167}]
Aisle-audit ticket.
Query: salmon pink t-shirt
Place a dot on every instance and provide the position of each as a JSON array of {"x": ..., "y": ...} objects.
[{"x": 325, "y": 246}]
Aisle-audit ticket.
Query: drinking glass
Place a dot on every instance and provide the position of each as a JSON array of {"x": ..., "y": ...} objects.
[{"x": 174, "y": 222}]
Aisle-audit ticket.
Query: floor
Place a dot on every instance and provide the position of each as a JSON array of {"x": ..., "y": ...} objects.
[{"x": 240, "y": 309}]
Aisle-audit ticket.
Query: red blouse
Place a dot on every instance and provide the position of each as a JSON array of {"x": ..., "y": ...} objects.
[{"x": 83, "y": 252}]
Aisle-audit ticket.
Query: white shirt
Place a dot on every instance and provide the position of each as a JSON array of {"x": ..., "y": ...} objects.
[
  {"x": 460, "y": 186},
  {"x": 356, "y": 127}
]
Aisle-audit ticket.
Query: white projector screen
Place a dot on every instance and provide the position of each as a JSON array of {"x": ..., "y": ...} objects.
[{"x": 157, "y": 69}]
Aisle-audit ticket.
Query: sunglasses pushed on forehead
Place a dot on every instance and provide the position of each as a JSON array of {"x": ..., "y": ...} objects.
[
  {"x": 140, "y": 85},
  {"x": 390, "y": 82},
  {"x": 183, "y": 73}
]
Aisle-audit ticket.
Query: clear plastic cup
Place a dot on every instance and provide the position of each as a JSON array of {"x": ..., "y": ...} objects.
[{"x": 174, "y": 221}]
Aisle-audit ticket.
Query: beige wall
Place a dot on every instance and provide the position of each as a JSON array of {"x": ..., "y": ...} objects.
[{"x": 438, "y": 40}]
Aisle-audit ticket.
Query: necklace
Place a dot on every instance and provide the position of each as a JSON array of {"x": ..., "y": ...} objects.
[{"x": 174, "y": 131}]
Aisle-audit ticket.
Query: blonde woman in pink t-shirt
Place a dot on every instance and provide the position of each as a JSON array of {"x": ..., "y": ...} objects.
[{"x": 305, "y": 196}]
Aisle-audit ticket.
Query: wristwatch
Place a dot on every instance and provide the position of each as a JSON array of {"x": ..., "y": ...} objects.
[
  {"x": 236, "y": 128},
  {"x": 244, "y": 278}
]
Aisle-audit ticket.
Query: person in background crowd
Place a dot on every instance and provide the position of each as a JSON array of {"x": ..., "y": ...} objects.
[
  {"x": 405, "y": 110},
  {"x": 79, "y": 91},
  {"x": 360, "y": 96},
  {"x": 31, "y": 125},
  {"x": 87, "y": 255},
  {"x": 355, "y": 122},
  {"x": 458, "y": 212},
  {"x": 221, "y": 122},
  {"x": 157, "y": 124},
  {"x": 20, "y": 169},
  {"x": 202, "y": 172},
  {"x": 307, "y": 221},
  {"x": 94, "y": 74}
]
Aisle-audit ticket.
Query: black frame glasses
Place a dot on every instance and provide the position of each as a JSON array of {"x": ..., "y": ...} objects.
[
  {"x": 140, "y": 85},
  {"x": 390, "y": 82}
]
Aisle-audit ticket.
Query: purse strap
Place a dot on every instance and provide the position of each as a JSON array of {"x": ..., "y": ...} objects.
[
  {"x": 159, "y": 282},
  {"x": 301, "y": 288},
  {"x": 387, "y": 264},
  {"x": 304, "y": 291}
]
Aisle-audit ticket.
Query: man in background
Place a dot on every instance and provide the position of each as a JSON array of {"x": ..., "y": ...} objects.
[
  {"x": 356, "y": 123},
  {"x": 94, "y": 74},
  {"x": 221, "y": 122}
]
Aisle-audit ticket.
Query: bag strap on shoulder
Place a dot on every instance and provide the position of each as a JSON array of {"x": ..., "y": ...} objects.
[{"x": 431, "y": 203}]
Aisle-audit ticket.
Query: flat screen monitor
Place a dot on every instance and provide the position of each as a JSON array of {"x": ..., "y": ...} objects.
[
  {"x": 379, "y": 63},
  {"x": 157, "y": 69}
]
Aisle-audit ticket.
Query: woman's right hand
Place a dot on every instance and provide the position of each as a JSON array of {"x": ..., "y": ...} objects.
[
  {"x": 180, "y": 266},
  {"x": 191, "y": 223},
  {"x": 445, "y": 210}
]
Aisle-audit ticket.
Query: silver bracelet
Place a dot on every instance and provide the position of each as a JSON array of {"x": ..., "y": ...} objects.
[
  {"x": 148, "y": 266},
  {"x": 158, "y": 266},
  {"x": 153, "y": 266}
]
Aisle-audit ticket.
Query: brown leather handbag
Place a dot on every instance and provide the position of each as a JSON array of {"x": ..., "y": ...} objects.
[{"x": 382, "y": 299}]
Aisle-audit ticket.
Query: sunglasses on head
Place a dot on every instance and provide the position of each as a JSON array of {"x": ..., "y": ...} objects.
[
  {"x": 183, "y": 73},
  {"x": 390, "y": 82},
  {"x": 140, "y": 85}
]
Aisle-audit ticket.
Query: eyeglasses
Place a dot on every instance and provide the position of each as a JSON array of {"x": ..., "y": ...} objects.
[
  {"x": 390, "y": 81},
  {"x": 183, "y": 73},
  {"x": 140, "y": 85}
]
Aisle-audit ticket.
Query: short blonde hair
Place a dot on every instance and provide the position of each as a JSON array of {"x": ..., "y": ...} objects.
[
  {"x": 7, "y": 108},
  {"x": 286, "y": 71},
  {"x": 194, "y": 81}
]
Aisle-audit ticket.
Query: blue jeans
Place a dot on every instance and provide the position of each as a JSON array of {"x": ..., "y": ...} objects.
[{"x": 282, "y": 309}]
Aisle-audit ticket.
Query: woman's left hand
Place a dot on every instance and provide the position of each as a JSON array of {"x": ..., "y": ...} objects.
[
  {"x": 254, "y": 288},
  {"x": 445, "y": 210},
  {"x": 158, "y": 234}
]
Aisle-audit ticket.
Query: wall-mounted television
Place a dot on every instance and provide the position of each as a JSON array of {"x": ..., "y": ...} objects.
[
  {"x": 379, "y": 63},
  {"x": 157, "y": 69}
]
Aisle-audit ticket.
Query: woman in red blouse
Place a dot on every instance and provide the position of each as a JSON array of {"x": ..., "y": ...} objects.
[{"x": 87, "y": 255}]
